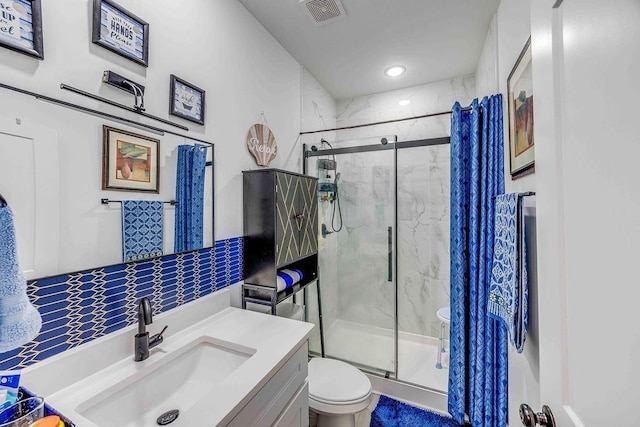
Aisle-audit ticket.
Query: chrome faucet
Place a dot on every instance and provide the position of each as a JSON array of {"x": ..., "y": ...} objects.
[{"x": 143, "y": 343}]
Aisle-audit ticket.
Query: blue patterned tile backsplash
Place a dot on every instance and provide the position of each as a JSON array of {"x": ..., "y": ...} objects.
[{"x": 79, "y": 307}]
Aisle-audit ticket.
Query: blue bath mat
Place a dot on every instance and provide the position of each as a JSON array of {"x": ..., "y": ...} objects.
[{"x": 391, "y": 413}]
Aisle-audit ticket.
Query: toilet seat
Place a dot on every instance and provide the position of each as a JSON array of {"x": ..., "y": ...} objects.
[{"x": 337, "y": 385}]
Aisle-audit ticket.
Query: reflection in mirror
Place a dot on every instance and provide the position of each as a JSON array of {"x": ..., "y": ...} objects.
[{"x": 51, "y": 168}]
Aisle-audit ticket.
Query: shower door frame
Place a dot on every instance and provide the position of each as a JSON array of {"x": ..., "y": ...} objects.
[{"x": 388, "y": 145}]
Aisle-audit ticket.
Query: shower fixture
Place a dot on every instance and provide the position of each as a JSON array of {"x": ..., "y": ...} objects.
[{"x": 328, "y": 177}]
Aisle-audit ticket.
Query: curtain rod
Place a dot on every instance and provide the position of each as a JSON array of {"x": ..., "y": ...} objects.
[
  {"x": 99, "y": 113},
  {"x": 384, "y": 122},
  {"x": 525, "y": 194},
  {"x": 107, "y": 201}
]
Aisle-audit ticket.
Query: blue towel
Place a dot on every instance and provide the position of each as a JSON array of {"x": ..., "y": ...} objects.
[
  {"x": 508, "y": 291},
  {"x": 20, "y": 322},
  {"x": 287, "y": 278},
  {"x": 142, "y": 235}
]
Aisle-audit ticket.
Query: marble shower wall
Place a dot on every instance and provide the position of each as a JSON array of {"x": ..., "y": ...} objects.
[
  {"x": 423, "y": 237},
  {"x": 423, "y": 208},
  {"x": 353, "y": 262},
  {"x": 366, "y": 191},
  {"x": 425, "y": 99}
]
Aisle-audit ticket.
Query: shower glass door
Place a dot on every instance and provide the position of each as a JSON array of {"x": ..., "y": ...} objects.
[{"x": 356, "y": 258}]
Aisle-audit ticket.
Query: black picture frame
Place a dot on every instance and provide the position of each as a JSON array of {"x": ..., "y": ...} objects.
[
  {"x": 142, "y": 166},
  {"x": 126, "y": 29},
  {"x": 192, "y": 111},
  {"x": 29, "y": 43}
]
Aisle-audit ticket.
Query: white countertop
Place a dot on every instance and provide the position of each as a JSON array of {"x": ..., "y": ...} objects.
[{"x": 75, "y": 376}]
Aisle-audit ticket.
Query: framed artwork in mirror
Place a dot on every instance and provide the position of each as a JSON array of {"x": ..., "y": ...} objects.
[
  {"x": 130, "y": 162},
  {"x": 117, "y": 29},
  {"x": 186, "y": 100},
  {"x": 520, "y": 100},
  {"x": 21, "y": 26}
]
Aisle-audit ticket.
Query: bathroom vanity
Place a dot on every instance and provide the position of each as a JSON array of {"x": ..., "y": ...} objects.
[{"x": 217, "y": 366}]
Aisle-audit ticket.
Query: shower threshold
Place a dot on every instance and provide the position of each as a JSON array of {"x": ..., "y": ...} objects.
[{"x": 370, "y": 349}]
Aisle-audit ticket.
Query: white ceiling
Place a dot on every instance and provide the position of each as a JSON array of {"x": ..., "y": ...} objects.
[{"x": 434, "y": 39}]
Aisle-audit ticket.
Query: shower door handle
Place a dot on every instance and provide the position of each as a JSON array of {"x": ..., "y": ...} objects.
[{"x": 390, "y": 254}]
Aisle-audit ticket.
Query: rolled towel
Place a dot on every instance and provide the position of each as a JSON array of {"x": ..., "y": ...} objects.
[
  {"x": 20, "y": 322},
  {"x": 287, "y": 278}
]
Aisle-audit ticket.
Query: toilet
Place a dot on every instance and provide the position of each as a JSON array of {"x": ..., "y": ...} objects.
[{"x": 337, "y": 391}]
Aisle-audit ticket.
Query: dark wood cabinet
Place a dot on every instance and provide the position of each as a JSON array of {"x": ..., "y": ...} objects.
[{"x": 280, "y": 210}]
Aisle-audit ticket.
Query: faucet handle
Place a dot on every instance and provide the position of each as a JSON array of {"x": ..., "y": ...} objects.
[
  {"x": 163, "y": 330},
  {"x": 157, "y": 338}
]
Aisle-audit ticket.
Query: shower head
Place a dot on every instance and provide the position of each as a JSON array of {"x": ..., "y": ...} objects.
[{"x": 324, "y": 141}]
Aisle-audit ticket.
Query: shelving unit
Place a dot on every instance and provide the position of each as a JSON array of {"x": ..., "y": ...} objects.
[{"x": 280, "y": 219}]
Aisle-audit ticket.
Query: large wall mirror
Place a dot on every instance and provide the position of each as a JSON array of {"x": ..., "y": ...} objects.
[{"x": 51, "y": 176}]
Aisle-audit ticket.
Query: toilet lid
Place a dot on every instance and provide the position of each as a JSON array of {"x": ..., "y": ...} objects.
[{"x": 336, "y": 382}]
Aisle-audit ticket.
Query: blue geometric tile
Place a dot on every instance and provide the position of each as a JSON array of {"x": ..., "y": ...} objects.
[
  {"x": 52, "y": 289},
  {"x": 80, "y": 307},
  {"x": 53, "y": 307},
  {"x": 119, "y": 274},
  {"x": 87, "y": 335},
  {"x": 45, "y": 345},
  {"x": 113, "y": 268}
]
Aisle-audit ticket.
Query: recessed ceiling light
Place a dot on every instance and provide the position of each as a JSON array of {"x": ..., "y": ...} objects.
[
  {"x": 404, "y": 102},
  {"x": 395, "y": 71}
]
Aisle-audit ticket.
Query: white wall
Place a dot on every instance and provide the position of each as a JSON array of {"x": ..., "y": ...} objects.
[
  {"x": 508, "y": 33},
  {"x": 216, "y": 45}
]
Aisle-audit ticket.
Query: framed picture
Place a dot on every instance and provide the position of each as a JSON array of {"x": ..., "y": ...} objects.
[
  {"x": 130, "y": 162},
  {"x": 186, "y": 101},
  {"x": 21, "y": 26},
  {"x": 117, "y": 29},
  {"x": 520, "y": 98}
]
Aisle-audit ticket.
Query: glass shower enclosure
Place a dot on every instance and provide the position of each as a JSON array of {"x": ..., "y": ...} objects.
[{"x": 383, "y": 254}]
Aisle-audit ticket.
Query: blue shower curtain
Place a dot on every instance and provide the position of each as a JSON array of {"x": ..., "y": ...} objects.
[
  {"x": 190, "y": 197},
  {"x": 478, "y": 359}
]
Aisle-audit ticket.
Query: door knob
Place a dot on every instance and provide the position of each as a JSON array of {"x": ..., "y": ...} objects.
[{"x": 530, "y": 418}]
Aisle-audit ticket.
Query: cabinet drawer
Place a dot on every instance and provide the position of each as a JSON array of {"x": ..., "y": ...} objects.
[
  {"x": 296, "y": 414},
  {"x": 270, "y": 401}
]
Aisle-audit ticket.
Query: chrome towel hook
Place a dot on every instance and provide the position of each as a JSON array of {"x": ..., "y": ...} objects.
[{"x": 3, "y": 202}]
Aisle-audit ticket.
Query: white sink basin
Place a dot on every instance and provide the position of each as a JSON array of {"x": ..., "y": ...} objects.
[{"x": 177, "y": 381}]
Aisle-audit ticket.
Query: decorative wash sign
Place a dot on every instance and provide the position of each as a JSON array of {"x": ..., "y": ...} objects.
[
  {"x": 117, "y": 29},
  {"x": 21, "y": 26},
  {"x": 262, "y": 144}
]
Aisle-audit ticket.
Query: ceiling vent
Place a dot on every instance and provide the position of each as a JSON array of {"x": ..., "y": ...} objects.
[{"x": 324, "y": 11}]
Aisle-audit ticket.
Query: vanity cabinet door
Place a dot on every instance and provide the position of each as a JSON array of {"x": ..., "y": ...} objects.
[
  {"x": 297, "y": 413},
  {"x": 279, "y": 395}
]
